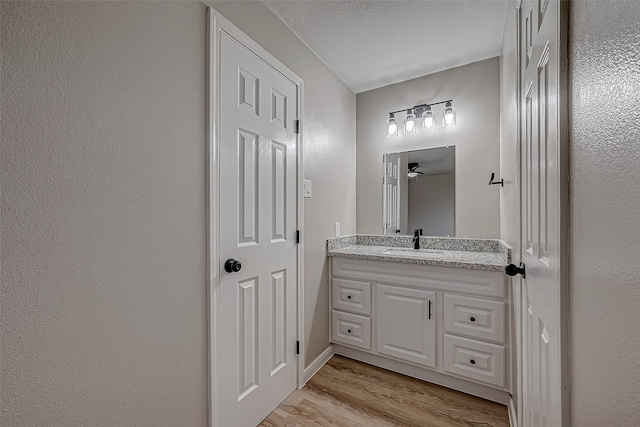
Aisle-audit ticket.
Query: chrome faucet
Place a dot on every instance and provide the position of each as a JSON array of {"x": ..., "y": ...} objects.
[{"x": 416, "y": 239}]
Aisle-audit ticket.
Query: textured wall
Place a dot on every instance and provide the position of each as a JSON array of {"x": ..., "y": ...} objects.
[
  {"x": 103, "y": 307},
  {"x": 605, "y": 211},
  {"x": 475, "y": 89},
  {"x": 329, "y": 154}
]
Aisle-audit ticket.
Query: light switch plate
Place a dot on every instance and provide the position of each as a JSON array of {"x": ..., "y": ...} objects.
[
  {"x": 336, "y": 229},
  {"x": 306, "y": 188}
]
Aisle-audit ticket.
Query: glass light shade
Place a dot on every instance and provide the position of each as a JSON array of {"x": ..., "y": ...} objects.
[
  {"x": 429, "y": 123},
  {"x": 449, "y": 116},
  {"x": 410, "y": 122},
  {"x": 412, "y": 174},
  {"x": 392, "y": 127}
]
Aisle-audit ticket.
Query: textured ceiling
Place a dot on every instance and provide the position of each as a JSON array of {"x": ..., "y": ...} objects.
[{"x": 370, "y": 44}]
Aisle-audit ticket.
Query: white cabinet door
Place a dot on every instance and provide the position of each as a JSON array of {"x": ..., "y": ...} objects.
[{"x": 405, "y": 324}]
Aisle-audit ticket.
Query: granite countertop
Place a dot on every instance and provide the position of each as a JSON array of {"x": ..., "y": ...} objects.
[{"x": 477, "y": 254}]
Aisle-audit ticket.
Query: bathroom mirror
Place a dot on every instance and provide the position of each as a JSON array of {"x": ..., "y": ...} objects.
[{"x": 419, "y": 192}]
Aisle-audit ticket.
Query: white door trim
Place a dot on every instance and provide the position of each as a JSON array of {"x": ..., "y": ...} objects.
[
  {"x": 516, "y": 282},
  {"x": 216, "y": 25}
]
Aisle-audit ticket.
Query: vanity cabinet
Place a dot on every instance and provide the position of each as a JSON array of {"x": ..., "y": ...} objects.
[{"x": 450, "y": 321}]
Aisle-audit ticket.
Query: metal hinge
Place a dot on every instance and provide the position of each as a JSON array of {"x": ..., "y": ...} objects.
[
  {"x": 297, "y": 126},
  {"x": 297, "y": 347},
  {"x": 297, "y": 236}
]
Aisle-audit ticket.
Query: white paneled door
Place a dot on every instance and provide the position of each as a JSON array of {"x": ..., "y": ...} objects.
[
  {"x": 541, "y": 156},
  {"x": 391, "y": 193},
  {"x": 257, "y": 317}
]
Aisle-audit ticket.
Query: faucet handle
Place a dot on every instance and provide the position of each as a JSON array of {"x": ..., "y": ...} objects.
[{"x": 416, "y": 233}]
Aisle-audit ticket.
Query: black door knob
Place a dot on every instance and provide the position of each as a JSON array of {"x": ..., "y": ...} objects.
[
  {"x": 232, "y": 266},
  {"x": 512, "y": 270},
  {"x": 473, "y": 362},
  {"x": 473, "y": 319}
]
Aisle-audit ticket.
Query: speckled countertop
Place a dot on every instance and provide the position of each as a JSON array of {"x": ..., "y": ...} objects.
[{"x": 477, "y": 254}]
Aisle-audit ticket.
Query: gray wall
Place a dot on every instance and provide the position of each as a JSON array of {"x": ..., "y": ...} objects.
[
  {"x": 475, "y": 89},
  {"x": 605, "y": 211},
  {"x": 329, "y": 155},
  {"x": 432, "y": 204},
  {"x": 103, "y": 306}
]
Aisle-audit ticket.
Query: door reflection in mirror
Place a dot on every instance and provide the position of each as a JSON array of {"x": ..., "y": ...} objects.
[{"x": 419, "y": 192}]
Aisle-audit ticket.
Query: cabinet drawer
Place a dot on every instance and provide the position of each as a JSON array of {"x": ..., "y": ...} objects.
[
  {"x": 351, "y": 296},
  {"x": 473, "y": 359},
  {"x": 474, "y": 317},
  {"x": 351, "y": 329}
]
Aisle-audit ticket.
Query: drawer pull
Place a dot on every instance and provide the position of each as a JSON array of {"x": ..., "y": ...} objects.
[
  {"x": 473, "y": 362},
  {"x": 348, "y": 296},
  {"x": 349, "y": 331},
  {"x": 473, "y": 319}
]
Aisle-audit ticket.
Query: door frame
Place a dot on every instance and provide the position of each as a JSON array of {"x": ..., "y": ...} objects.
[
  {"x": 517, "y": 251},
  {"x": 216, "y": 25}
]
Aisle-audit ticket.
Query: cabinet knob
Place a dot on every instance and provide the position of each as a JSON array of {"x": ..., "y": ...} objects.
[
  {"x": 473, "y": 319},
  {"x": 473, "y": 362},
  {"x": 348, "y": 296},
  {"x": 349, "y": 331}
]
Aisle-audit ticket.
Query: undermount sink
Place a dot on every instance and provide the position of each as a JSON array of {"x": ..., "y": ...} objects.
[{"x": 418, "y": 253}]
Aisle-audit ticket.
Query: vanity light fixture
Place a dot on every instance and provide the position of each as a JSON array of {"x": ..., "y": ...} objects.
[
  {"x": 424, "y": 113},
  {"x": 392, "y": 127}
]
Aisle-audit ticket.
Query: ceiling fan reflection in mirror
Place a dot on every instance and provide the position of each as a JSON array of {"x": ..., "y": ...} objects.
[{"x": 413, "y": 170}]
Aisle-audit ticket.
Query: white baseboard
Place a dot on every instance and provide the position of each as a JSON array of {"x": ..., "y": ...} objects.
[
  {"x": 315, "y": 366},
  {"x": 513, "y": 415}
]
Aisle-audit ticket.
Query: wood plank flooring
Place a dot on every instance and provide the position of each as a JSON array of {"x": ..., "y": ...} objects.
[{"x": 348, "y": 393}]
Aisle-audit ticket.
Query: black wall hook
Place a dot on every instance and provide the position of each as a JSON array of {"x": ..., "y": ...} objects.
[{"x": 492, "y": 182}]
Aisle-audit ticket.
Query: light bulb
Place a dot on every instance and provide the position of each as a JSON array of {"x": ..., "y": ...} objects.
[
  {"x": 428, "y": 122},
  {"x": 410, "y": 125},
  {"x": 392, "y": 127},
  {"x": 428, "y": 119},
  {"x": 448, "y": 118},
  {"x": 409, "y": 122},
  {"x": 449, "y": 114}
]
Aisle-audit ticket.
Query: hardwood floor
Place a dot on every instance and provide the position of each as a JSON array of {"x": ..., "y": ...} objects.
[{"x": 348, "y": 393}]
